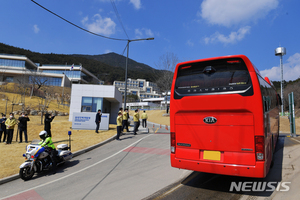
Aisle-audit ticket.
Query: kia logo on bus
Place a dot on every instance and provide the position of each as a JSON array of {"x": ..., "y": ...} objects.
[{"x": 210, "y": 120}]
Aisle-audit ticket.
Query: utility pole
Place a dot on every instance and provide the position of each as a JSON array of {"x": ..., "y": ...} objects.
[{"x": 126, "y": 68}]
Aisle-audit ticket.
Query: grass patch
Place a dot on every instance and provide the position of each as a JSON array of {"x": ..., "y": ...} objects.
[
  {"x": 155, "y": 116},
  {"x": 11, "y": 155}
]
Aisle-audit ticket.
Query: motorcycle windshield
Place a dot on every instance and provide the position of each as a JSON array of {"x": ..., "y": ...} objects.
[{"x": 35, "y": 142}]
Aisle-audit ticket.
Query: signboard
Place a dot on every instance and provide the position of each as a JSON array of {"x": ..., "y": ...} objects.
[{"x": 86, "y": 121}]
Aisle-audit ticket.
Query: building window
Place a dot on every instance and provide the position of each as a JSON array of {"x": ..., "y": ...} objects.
[
  {"x": 12, "y": 63},
  {"x": 91, "y": 104},
  {"x": 69, "y": 73},
  {"x": 141, "y": 84},
  {"x": 9, "y": 79},
  {"x": 86, "y": 104},
  {"x": 54, "y": 81},
  {"x": 148, "y": 90}
]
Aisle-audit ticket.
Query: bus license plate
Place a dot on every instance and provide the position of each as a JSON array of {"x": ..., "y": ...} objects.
[{"x": 212, "y": 155}]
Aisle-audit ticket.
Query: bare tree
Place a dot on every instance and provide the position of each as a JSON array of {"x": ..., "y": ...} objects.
[
  {"x": 44, "y": 104},
  {"x": 37, "y": 81},
  {"x": 4, "y": 97},
  {"x": 2, "y": 72},
  {"x": 13, "y": 103},
  {"x": 166, "y": 66},
  {"x": 23, "y": 88},
  {"x": 295, "y": 87},
  {"x": 2, "y": 75}
]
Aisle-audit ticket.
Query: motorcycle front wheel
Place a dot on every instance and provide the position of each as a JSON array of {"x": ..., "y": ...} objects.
[{"x": 25, "y": 173}]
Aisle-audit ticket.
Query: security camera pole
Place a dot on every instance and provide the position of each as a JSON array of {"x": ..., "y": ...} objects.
[{"x": 280, "y": 51}]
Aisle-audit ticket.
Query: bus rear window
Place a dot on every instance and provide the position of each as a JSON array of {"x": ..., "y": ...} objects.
[{"x": 213, "y": 77}]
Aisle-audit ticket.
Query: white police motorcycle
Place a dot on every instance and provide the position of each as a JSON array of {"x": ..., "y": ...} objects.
[{"x": 42, "y": 162}]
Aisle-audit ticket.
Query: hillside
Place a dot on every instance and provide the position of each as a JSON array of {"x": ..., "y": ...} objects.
[
  {"x": 291, "y": 86},
  {"x": 107, "y": 67},
  {"x": 135, "y": 69},
  {"x": 117, "y": 60}
]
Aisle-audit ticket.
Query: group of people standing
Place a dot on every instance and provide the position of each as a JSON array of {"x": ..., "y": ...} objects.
[
  {"x": 7, "y": 126},
  {"x": 122, "y": 121}
]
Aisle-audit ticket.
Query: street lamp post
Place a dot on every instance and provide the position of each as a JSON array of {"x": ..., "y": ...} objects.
[
  {"x": 280, "y": 51},
  {"x": 128, "y": 41}
]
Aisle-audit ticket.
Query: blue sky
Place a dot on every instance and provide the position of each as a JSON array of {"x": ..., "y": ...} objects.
[{"x": 190, "y": 29}]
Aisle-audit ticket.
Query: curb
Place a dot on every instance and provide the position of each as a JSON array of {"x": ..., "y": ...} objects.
[
  {"x": 77, "y": 153},
  {"x": 155, "y": 124}
]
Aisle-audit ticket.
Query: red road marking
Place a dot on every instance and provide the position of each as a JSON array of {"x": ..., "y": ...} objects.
[
  {"x": 148, "y": 150},
  {"x": 29, "y": 195}
]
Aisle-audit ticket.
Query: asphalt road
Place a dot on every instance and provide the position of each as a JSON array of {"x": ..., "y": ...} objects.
[
  {"x": 133, "y": 168},
  {"x": 212, "y": 186}
]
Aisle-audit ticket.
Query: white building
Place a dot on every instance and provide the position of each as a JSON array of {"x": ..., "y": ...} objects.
[
  {"x": 140, "y": 87},
  {"x": 151, "y": 103},
  {"x": 89, "y": 98},
  {"x": 142, "y": 105},
  {"x": 75, "y": 73},
  {"x": 20, "y": 69}
]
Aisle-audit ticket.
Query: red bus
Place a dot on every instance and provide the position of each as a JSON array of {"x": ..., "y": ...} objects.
[{"x": 224, "y": 117}]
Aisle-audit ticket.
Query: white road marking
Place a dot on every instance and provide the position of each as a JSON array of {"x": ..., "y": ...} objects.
[
  {"x": 295, "y": 140},
  {"x": 42, "y": 185}
]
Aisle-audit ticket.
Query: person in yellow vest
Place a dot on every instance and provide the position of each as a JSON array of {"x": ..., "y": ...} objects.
[
  {"x": 119, "y": 125},
  {"x": 136, "y": 120},
  {"x": 144, "y": 118},
  {"x": 120, "y": 111},
  {"x": 47, "y": 143},
  {"x": 10, "y": 125},
  {"x": 125, "y": 120}
]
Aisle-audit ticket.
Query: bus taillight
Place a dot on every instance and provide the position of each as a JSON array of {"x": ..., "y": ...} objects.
[
  {"x": 173, "y": 142},
  {"x": 260, "y": 148}
]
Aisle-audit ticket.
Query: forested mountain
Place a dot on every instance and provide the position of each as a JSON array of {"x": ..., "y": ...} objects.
[
  {"x": 139, "y": 70},
  {"x": 107, "y": 67},
  {"x": 117, "y": 60},
  {"x": 291, "y": 86}
]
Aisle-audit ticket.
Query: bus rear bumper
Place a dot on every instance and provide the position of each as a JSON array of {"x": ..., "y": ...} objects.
[{"x": 257, "y": 171}]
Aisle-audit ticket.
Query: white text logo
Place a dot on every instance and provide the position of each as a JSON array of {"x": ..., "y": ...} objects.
[{"x": 259, "y": 186}]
